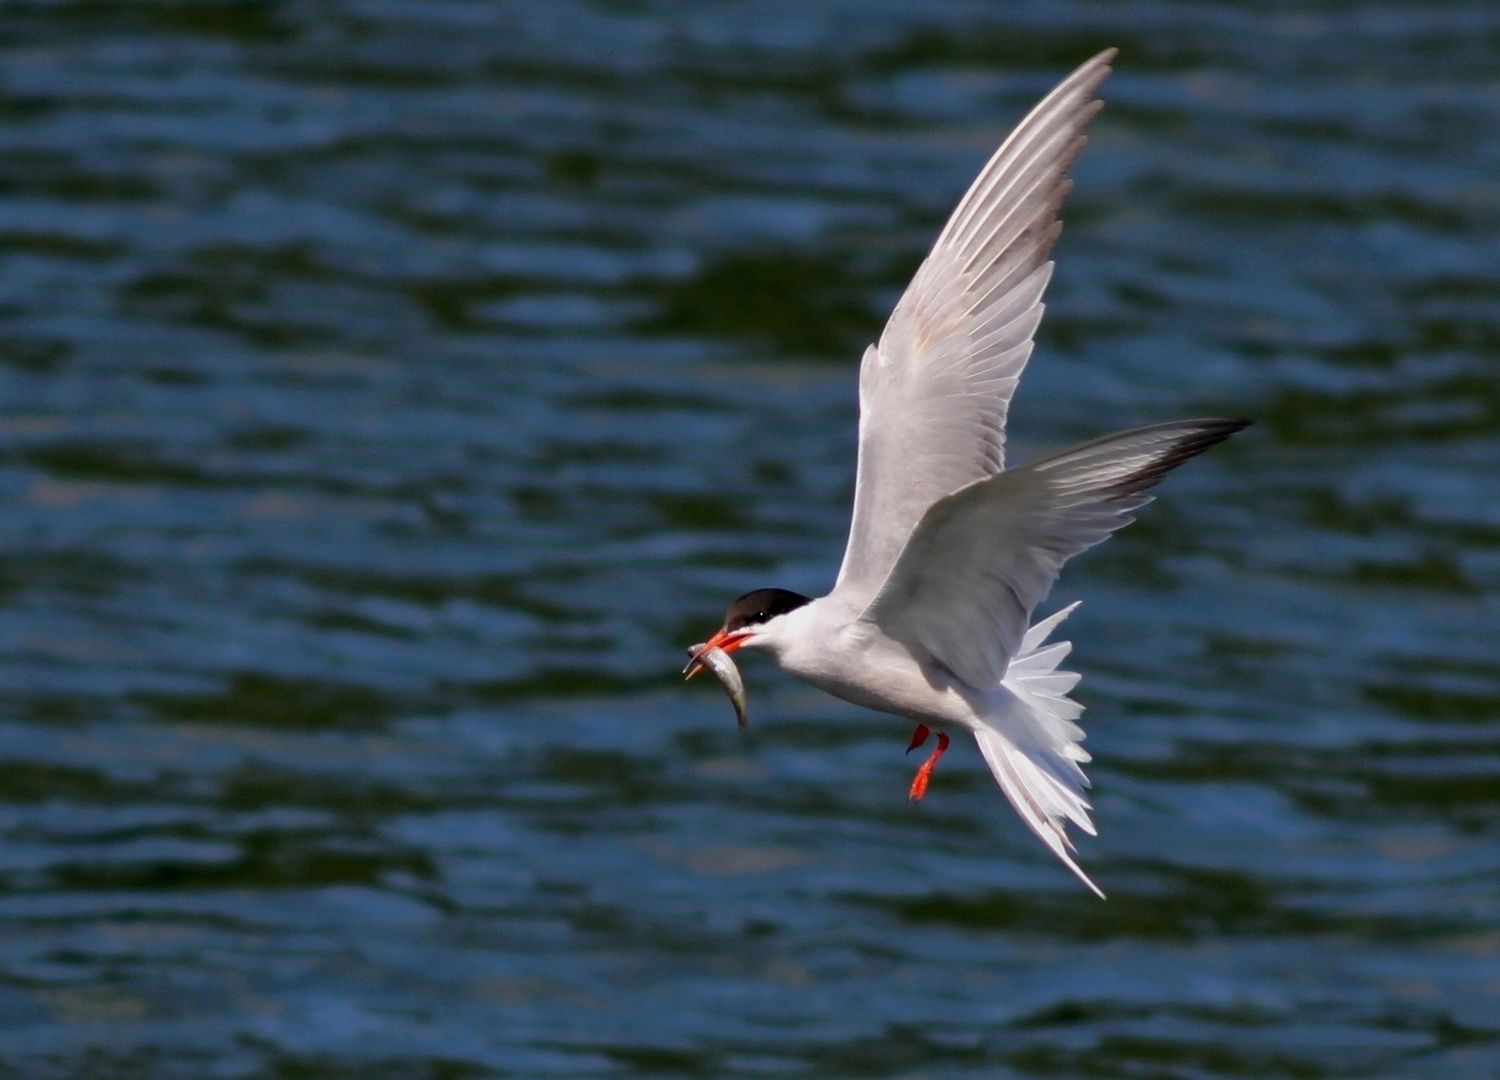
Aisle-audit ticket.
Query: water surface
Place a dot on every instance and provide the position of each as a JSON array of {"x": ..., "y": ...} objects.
[{"x": 389, "y": 390}]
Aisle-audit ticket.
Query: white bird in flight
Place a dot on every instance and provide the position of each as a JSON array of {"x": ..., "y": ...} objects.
[{"x": 949, "y": 552}]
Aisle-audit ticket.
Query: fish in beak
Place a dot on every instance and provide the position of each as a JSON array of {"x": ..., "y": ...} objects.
[{"x": 713, "y": 654}]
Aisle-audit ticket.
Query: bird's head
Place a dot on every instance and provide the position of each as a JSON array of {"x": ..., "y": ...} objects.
[{"x": 750, "y": 617}]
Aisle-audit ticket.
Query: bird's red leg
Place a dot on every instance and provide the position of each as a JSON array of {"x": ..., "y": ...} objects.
[
  {"x": 918, "y": 737},
  {"x": 924, "y": 774}
]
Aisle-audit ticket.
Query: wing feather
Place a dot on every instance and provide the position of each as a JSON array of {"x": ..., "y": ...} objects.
[
  {"x": 935, "y": 391},
  {"x": 963, "y": 590}
]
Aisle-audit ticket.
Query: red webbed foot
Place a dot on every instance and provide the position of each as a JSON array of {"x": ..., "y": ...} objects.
[{"x": 924, "y": 774}]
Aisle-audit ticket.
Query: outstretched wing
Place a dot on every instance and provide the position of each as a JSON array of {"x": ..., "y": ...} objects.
[
  {"x": 963, "y": 590},
  {"x": 933, "y": 394}
]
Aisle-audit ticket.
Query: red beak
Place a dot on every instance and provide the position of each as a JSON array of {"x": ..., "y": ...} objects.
[{"x": 723, "y": 639}]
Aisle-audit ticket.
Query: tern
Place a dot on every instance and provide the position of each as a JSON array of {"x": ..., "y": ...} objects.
[{"x": 949, "y": 553}]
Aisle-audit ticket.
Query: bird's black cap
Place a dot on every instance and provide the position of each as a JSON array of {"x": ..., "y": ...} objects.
[{"x": 759, "y": 606}]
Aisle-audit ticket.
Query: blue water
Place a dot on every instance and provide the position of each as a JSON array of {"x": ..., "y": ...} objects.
[{"x": 390, "y": 390}]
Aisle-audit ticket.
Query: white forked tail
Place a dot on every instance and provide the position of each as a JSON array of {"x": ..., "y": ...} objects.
[{"x": 1034, "y": 750}]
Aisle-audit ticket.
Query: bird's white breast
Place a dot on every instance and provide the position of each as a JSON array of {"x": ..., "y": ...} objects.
[{"x": 854, "y": 661}]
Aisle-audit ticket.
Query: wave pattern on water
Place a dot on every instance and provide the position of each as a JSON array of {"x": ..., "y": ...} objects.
[{"x": 390, "y": 389}]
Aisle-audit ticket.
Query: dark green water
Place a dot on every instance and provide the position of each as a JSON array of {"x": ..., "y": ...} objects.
[{"x": 391, "y": 389}]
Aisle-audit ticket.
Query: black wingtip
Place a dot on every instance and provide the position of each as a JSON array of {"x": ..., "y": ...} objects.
[
  {"x": 1216, "y": 429},
  {"x": 1198, "y": 436}
]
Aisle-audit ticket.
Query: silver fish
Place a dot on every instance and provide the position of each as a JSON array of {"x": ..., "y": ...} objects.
[{"x": 718, "y": 661}]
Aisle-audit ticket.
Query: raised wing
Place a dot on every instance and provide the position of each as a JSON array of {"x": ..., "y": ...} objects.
[
  {"x": 933, "y": 394},
  {"x": 963, "y": 590}
]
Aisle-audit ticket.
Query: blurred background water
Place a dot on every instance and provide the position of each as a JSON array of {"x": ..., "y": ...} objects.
[{"x": 389, "y": 389}]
